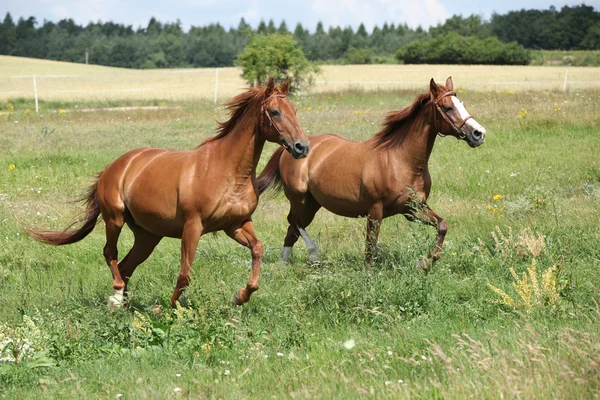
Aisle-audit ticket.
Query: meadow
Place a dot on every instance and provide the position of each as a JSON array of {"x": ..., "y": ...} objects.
[{"x": 510, "y": 310}]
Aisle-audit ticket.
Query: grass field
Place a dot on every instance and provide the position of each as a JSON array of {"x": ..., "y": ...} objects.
[
  {"x": 60, "y": 81},
  {"x": 338, "y": 329}
]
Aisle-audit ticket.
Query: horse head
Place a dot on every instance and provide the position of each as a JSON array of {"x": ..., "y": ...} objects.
[
  {"x": 456, "y": 121},
  {"x": 280, "y": 124}
]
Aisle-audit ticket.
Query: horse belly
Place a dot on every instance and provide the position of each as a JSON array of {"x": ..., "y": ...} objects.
[
  {"x": 340, "y": 203},
  {"x": 153, "y": 205}
]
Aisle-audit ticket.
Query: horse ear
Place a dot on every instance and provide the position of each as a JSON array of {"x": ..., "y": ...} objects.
[
  {"x": 270, "y": 87},
  {"x": 433, "y": 88},
  {"x": 449, "y": 84},
  {"x": 285, "y": 86}
]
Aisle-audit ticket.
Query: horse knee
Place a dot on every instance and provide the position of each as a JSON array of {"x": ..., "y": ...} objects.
[
  {"x": 257, "y": 250},
  {"x": 442, "y": 227}
]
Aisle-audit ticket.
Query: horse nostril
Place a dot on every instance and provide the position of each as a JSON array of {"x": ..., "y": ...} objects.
[
  {"x": 299, "y": 147},
  {"x": 477, "y": 134}
]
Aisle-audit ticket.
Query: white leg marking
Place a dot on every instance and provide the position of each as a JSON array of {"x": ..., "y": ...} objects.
[
  {"x": 117, "y": 299},
  {"x": 311, "y": 247},
  {"x": 285, "y": 254}
]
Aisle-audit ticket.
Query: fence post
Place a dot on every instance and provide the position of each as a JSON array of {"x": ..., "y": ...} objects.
[
  {"x": 565, "y": 82},
  {"x": 216, "y": 84},
  {"x": 35, "y": 94}
]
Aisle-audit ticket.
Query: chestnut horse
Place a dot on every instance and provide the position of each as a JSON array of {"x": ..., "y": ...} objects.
[
  {"x": 186, "y": 194},
  {"x": 383, "y": 176}
]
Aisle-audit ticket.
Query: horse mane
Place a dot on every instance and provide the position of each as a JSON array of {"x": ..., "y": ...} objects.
[
  {"x": 237, "y": 108},
  {"x": 389, "y": 135}
]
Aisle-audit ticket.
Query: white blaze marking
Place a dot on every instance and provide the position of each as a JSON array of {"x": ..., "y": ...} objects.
[{"x": 462, "y": 111}]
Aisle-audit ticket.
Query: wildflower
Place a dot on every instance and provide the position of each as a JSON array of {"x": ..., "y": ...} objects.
[
  {"x": 498, "y": 197},
  {"x": 177, "y": 390},
  {"x": 390, "y": 353},
  {"x": 12, "y": 167},
  {"x": 27, "y": 112},
  {"x": 62, "y": 111},
  {"x": 388, "y": 383},
  {"x": 308, "y": 108},
  {"x": 178, "y": 375},
  {"x": 356, "y": 112},
  {"x": 119, "y": 395},
  {"x": 400, "y": 381},
  {"x": 349, "y": 344},
  {"x": 279, "y": 354},
  {"x": 227, "y": 372},
  {"x": 522, "y": 114}
]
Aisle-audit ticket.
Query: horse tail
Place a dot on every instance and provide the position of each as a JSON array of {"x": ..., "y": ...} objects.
[
  {"x": 68, "y": 235},
  {"x": 270, "y": 178}
]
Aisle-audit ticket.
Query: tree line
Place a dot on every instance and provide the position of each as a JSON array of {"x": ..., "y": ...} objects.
[{"x": 167, "y": 45}]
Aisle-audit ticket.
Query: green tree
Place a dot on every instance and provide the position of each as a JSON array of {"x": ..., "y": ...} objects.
[{"x": 276, "y": 56}]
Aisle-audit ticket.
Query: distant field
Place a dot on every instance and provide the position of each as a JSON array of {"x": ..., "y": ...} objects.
[{"x": 60, "y": 81}]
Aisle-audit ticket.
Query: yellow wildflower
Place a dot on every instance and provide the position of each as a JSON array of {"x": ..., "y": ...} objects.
[
  {"x": 27, "y": 112},
  {"x": 12, "y": 167},
  {"x": 62, "y": 111},
  {"x": 522, "y": 113},
  {"x": 498, "y": 197}
]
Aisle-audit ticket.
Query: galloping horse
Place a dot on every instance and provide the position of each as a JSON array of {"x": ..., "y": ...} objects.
[
  {"x": 383, "y": 176},
  {"x": 186, "y": 194}
]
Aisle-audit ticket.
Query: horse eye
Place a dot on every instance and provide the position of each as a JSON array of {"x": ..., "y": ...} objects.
[
  {"x": 448, "y": 108},
  {"x": 275, "y": 113}
]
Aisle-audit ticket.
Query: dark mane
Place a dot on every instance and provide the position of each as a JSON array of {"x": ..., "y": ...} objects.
[
  {"x": 389, "y": 136},
  {"x": 237, "y": 108}
]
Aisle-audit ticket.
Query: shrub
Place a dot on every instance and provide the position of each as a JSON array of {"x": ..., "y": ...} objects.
[
  {"x": 359, "y": 56},
  {"x": 456, "y": 49},
  {"x": 276, "y": 56}
]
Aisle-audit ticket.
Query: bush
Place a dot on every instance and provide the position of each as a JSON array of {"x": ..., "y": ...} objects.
[
  {"x": 456, "y": 49},
  {"x": 359, "y": 56},
  {"x": 276, "y": 56}
]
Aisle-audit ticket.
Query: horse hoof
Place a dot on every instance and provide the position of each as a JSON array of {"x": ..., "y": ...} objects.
[
  {"x": 115, "y": 302},
  {"x": 237, "y": 301},
  {"x": 425, "y": 265}
]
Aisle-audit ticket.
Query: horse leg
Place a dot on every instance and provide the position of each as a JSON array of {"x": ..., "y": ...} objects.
[
  {"x": 300, "y": 216},
  {"x": 374, "y": 218},
  {"x": 145, "y": 242},
  {"x": 246, "y": 237},
  {"x": 429, "y": 217},
  {"x": 192, "y": 231},
  {"x": 114, "y": 224}
]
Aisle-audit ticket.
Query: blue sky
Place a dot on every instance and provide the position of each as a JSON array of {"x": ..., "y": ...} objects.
[{"x": 308, "y": 12}]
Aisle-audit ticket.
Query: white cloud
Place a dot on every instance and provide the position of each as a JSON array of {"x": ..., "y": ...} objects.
[{"x": 371, "y": 13}]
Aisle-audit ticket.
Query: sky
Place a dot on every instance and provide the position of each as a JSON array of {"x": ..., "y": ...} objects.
[{"x": 229, "y": 12}]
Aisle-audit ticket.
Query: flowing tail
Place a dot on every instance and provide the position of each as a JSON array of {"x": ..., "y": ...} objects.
[
  {"x": 269, "y": 178},
  {"x": 68, "y": 236}
]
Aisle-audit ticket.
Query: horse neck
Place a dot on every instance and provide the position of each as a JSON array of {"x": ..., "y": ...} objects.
[
  {"x": 242, "y": 147},
  {"x": 419, "y": 137}
]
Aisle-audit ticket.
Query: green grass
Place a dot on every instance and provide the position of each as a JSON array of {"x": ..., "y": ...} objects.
[{"x": 443, "y": 335}]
